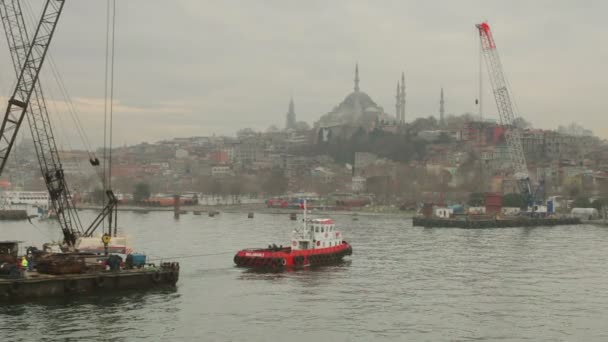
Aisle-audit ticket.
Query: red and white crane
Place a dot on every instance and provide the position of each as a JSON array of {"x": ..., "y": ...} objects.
[{"x": 506, "y": 110}]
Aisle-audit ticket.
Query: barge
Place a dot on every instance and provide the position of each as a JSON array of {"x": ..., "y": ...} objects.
[
  {"x": 34, "y": 285},
  {"x": 47, "y": 274},
  {"x": 493, "y": 223}
]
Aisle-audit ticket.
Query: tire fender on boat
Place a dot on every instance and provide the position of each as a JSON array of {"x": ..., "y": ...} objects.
[
  {"x": 283, "y": 261},
  {"x": 71, "y": 285},
  {"x": 173, "y": 276},
  {"x": 156, "y": 277},
  {"x": 100, "y": 282},
  {"x": 14, "y": 288}
]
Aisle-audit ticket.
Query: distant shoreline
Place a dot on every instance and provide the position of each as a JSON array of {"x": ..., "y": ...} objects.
[{"x": 254, "y": 208}]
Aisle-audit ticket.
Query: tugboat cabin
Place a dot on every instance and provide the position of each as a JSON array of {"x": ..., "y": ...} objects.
[{"x": 316, "y": 234}]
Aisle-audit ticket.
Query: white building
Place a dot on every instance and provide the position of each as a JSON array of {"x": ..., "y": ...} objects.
[
  {"x": 221, "y": 171},
  {"x": 358, "y": 184}
]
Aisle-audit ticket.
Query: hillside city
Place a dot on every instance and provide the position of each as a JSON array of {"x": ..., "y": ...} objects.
[{"x": 356, "y": 154}]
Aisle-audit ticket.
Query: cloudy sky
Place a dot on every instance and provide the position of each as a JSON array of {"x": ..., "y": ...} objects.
[{"x": 198, "y": 67}]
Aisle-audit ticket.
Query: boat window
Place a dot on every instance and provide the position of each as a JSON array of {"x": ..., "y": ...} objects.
[
  {"x": 322, "y": 229},
  {"x": 316, "y": 229}
]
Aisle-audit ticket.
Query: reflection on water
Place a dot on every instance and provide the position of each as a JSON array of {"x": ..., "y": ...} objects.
[
  {"x": 102, "y": 316},
  {"x": 401, "y": 283}
]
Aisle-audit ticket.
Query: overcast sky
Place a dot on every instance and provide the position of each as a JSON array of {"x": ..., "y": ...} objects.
[{"x": 197, "y": 67}]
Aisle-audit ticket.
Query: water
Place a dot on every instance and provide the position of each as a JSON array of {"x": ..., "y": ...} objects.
[{"x": 401, "y": 283}]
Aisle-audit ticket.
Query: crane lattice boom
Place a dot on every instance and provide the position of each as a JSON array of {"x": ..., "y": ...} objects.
[
  {"x": 40, "y": 124},
  {"x": 27, "y": 98},
  {"x": 28, "y": 76},
  {"x": 505, "y": 107}
]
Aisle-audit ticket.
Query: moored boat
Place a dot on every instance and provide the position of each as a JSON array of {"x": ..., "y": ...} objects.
[{"x": 315, "y": 243}]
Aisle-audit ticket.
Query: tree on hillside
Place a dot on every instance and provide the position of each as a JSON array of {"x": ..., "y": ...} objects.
[
  {"x": 245, "y": 132},
  {"x": 216, "y": 188},
  {"x": 236, "y": 188},
  {"x": 424, "y": 124},
  {"x": 272, "y": 129},
  {"x": 444, "y": 138},
  {"x": 514, "y": 200},
  {"x": 302, "y": 126},
  {"x": 476, "y": 199},
  {"x": 96, "y": 196},
  {"x": 521, "y": 123},
  {"x": 599, "y": 203},
  {"x": 380, "y": 186},
  {"x": 581, "y": 202},
  {"x": 275, "y": 183},
  {"x": 459, "y": 120},
  {"x": 141, "y": 192}
]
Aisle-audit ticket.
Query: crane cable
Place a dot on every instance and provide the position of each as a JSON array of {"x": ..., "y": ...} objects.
[
  {"x": 112, "y": 92},
  {"x": 108, "y": 98},
  {"x": 56, "y": 75},
  {"x": 187, "y": 256}
]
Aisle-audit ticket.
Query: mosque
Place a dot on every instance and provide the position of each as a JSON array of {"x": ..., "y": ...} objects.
[{"x": 356, "y": 111}]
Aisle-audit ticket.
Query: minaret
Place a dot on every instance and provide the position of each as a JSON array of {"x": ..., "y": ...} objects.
[
  {"x": 291, "y": 116},
  {"x": 402, "y": 105},
  {"x": 357, "y": 77},
  {"x": 441, "y": 110},
  {"x": 398, "y": 104}
]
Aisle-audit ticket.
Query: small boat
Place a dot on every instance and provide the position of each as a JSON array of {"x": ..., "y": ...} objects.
[
  {"x": 315, "y": 243},
  {"x": 196, "y": 212}
]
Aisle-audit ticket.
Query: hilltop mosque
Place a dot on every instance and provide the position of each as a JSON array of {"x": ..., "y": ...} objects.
[{"x": 356, "y": 111}]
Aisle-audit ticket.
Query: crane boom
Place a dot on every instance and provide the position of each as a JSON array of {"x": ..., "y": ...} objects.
[
  {"x": 40, "y": 124},
  {"x": 505, "y": 109},
  {"x": 28, "y": 75},
  {"x": 28, "y": 58}
]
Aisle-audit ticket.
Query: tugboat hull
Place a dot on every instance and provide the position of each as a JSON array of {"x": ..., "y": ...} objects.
[{"x": 286, "y": 258}]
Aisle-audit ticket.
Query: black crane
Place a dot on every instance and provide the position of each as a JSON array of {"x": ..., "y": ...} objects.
[{"x": 28, "y": 101}]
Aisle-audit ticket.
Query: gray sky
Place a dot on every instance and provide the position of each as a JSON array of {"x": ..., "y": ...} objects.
[{"x": 196, "y": 67}]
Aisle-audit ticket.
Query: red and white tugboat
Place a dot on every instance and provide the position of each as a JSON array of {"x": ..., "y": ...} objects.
[{"x": 317, "y": 242}]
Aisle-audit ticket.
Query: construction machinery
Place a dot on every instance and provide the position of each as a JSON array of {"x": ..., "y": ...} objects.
[
  {"x": 27, "y": 101},
  {"x": 506, "y": 110}
]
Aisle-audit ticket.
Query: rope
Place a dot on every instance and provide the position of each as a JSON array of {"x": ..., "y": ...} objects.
[
  {"x": 190, "y": 256},
  {"x": 38, "y": 229}
]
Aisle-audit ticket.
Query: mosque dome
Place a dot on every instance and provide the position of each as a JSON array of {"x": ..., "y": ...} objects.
[
  {"x": 357, "y": 99},
  {"x": 352, "y": 110}
]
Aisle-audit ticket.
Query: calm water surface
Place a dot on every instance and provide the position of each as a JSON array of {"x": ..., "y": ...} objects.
[{"x": 401, "y": 283}]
